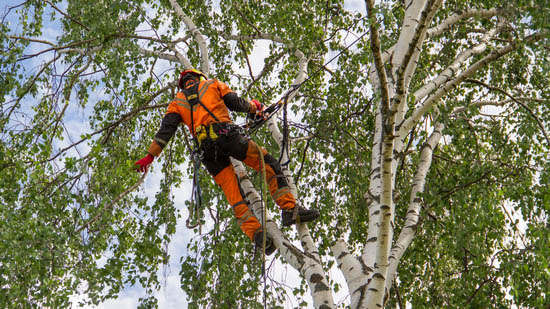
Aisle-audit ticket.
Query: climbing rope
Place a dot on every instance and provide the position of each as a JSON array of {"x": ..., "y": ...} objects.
[
  {"x": 196, "y": 201},
  {"x": 274, "y": 108},
  {"x": 263, "y": 200}
]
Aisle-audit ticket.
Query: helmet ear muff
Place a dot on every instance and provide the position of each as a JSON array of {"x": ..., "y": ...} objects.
[
  {"x": 191, "y": 73},
  {"x": 186, "y": 78}
]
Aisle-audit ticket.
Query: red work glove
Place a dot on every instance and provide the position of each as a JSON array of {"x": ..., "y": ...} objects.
[
  {"x": 259, "y": 106},
  {"x": 144, "y": 162}
]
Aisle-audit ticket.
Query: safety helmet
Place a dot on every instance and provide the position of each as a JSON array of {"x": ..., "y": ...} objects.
[{"x": 193, "y": 72}]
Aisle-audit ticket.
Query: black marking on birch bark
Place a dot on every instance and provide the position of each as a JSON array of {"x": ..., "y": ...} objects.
[
  {"x": 311, "y": 256},
  {"x": 320, "y": 287},
  {"x": 385, "y": 207},
  {"x": 378, "y": 305},
  {"x": 372, "y": 239},
  {"x": 296, "y": 252},
  {"x": 378, "y": 276},
  {"x": 342, "y": 255},
  {"x": 417, "y": 199},
  {"x": 376, "y": 176},
  {"x": 318, "y": 281},
  {"x": 373, "y": 289},
  {"x": 362, "y": 294},
  {"x": 376, "y": 198},
  {"x": 376, "y": 212},
  {"x": 323, "y": 306},
  {"x": 386, "y": 296},
  {"x": 366, "y": 270}
]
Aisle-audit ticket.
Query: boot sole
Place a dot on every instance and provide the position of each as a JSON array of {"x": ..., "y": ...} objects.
[
  {"x": 270, "y": 250},
  {"x": 303, "y": 219}
]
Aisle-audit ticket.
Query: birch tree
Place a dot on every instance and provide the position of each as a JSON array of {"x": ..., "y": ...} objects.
[{"x": 419, "y": 129}]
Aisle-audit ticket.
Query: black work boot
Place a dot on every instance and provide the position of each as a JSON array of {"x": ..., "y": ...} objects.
[
  {"x": 269, "y": 245},
  {"x": 302, "y": 215}
]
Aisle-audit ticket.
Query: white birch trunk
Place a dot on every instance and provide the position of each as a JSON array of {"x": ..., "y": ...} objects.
[
  {"x": 369, "y": 276},
  {"x": 413, "y": 213},
  {"x": 197, "y": 35},
  {"x": 304, "y": 262},
  {"x": 313, "y": 272},
  {"x": 307, "y": 262}
]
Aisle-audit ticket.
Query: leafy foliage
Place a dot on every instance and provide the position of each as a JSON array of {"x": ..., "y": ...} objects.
[{"x": 84, "y": 84}]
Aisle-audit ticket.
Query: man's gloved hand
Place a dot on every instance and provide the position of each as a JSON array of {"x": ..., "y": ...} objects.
[
  {"x": 259, "y": 107},
  {"x": 144, "y": 162}
]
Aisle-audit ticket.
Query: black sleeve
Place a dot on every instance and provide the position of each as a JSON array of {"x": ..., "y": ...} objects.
[
  {"x": 236, "y": 103},
  {"x": 168, "y": 128}
]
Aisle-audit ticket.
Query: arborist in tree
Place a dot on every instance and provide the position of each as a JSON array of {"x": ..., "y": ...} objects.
[{"x": 203, "y": 104}]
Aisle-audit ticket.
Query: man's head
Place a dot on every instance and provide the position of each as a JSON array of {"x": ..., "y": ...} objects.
[{"x": 191, "y": 75}]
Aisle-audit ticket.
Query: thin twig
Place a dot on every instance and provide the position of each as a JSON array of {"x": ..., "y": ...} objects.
[
  {"x": 67, "y": 15},
  {"x": 30, "y": 40},
  {"x": 113, "y": 124},
  {"x": 118, "y": 198},
  {"x": 31, "y": 84},
  {"x": 515, "y": 100},
  {"x": 399, "y": 300}
]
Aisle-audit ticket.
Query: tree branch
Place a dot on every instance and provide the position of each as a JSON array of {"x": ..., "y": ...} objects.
[
  {"x": 259, "y": 36},
  {"x": 375, "y": 48},
  {"x": 31, "y": 84},
  {"x": 492, "y": 56},
  {"x": 352, "y": 268},
  {"x": 539, "y": 122},
  {"x": 74, "y": 20},
  {"x": 160, "y": 55},
  {"x": 14, "y": 37},
  {"x": 264, "y": 71},
  {"x": 413, "y": 213},
  {"x": 205, "y": 62},
  {"x": 448, "y": 73},
  {"x": 453, "y": 19},
  {"x": 110, "y": 126},
  {"x": 110, "y": 205},
  {"x": 405, "y": 63}
]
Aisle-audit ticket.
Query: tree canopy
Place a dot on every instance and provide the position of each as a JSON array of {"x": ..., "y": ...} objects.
[{"x": 419, "y": 130}]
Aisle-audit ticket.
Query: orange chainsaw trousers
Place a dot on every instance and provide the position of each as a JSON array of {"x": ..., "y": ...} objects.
[{"x": 231, "y": 142}]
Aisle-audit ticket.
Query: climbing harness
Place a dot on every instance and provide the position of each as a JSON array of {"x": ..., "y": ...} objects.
[{"x": 191, "y": 93}]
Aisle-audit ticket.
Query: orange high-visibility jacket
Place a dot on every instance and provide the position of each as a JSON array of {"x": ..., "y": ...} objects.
[
  {"x": 214, "y": 95},
  {"x": 211, "y": 94}
]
